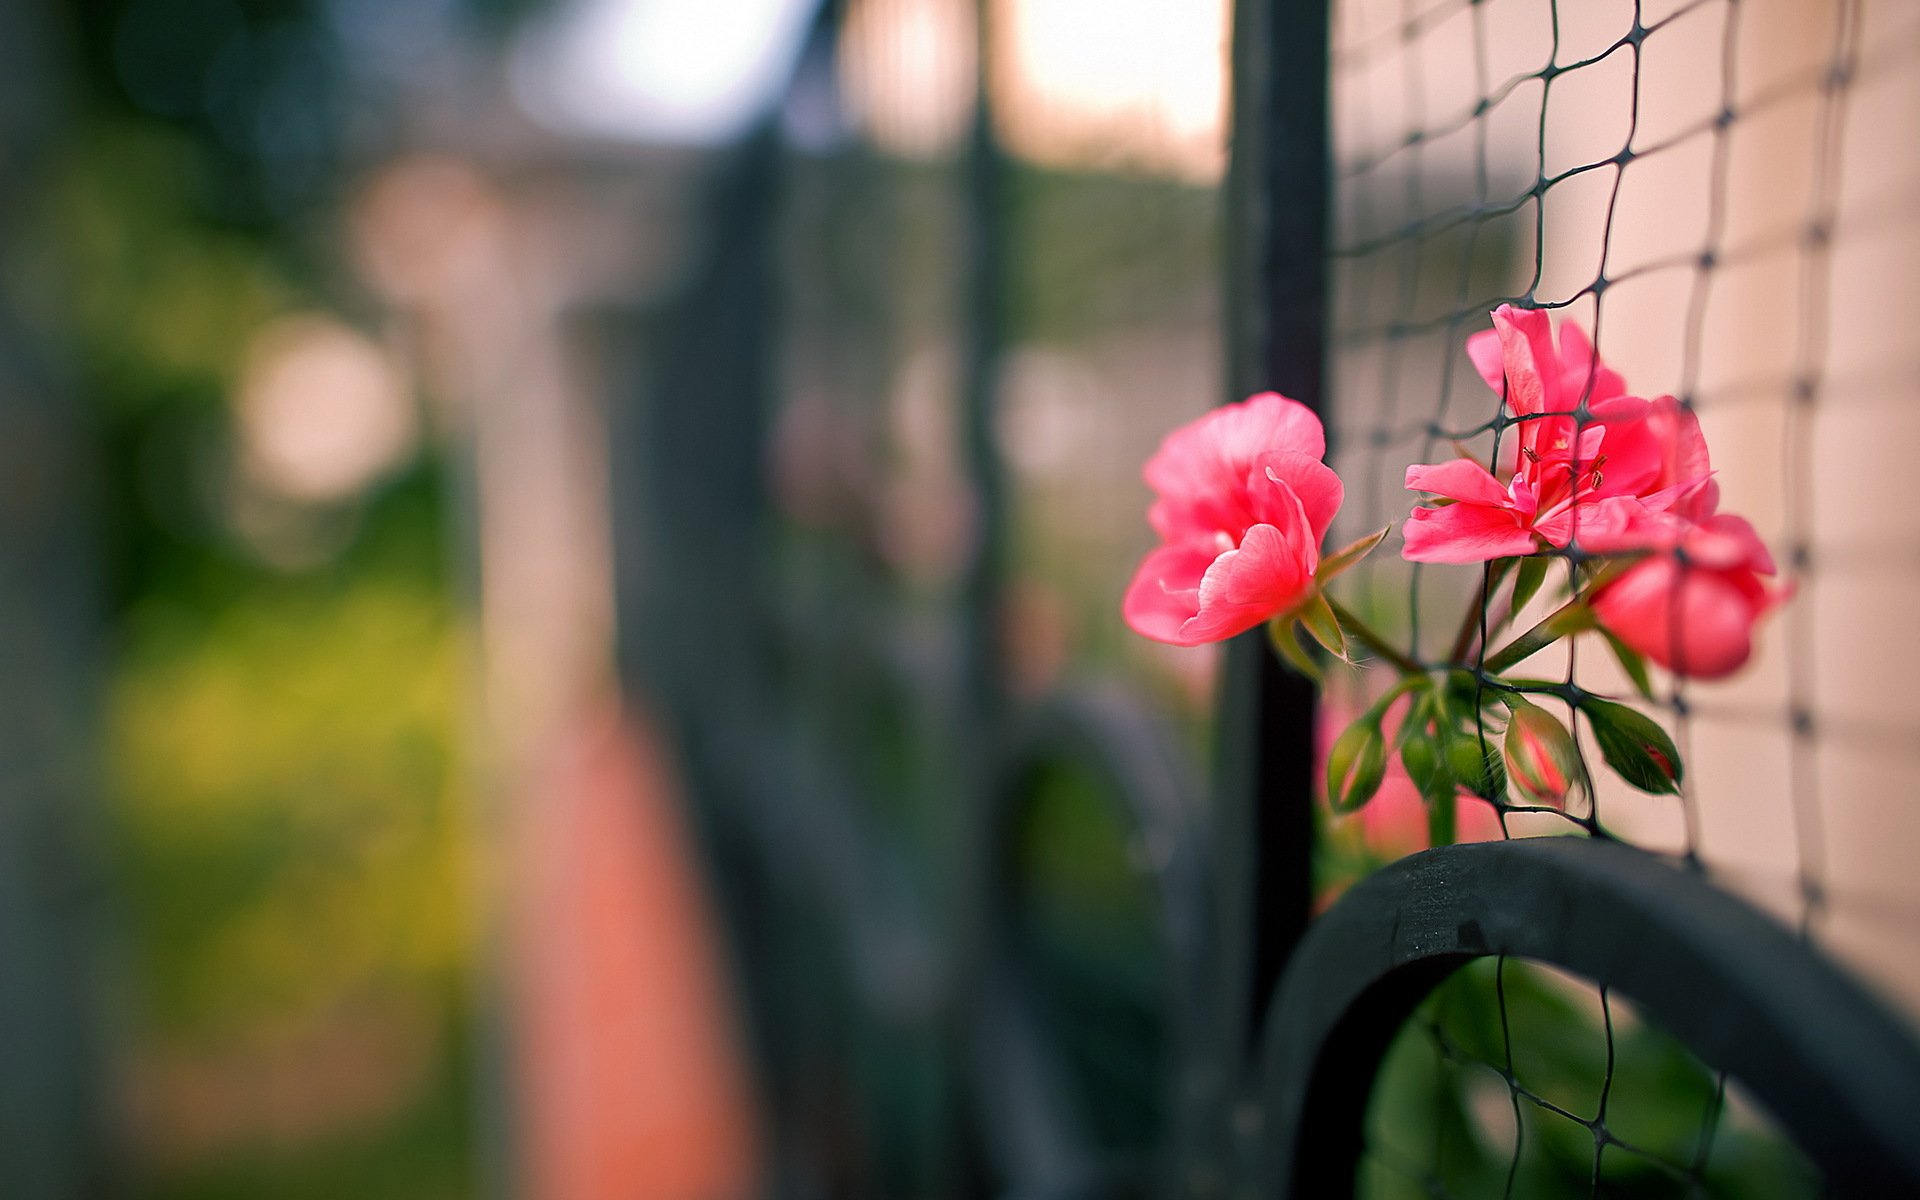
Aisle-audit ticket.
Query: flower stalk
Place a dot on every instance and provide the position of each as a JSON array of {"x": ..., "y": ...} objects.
[
  {"x": 1570, "y": 618},
  {"x": 1363, "y": 633}
]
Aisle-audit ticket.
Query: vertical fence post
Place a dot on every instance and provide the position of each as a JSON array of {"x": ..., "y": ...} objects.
[
  {"x": 977, "y": 751},
  {"x": 983, "y": 314},
  {"x": 1276, "y": 219},
  {"x": 54, "y": 1126}
]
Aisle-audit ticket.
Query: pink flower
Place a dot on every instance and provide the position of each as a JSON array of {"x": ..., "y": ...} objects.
[
  {"x": 1692, "y": 607},
  {"x": 1592, "y": 482},
  {"x": 1517, "y": 357},
  {"x": 1242, "y": 504},
  {"x": 1660, "y": 457}
]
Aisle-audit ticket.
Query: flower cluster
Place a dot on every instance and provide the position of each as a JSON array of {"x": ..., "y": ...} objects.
[
  {"x": 1619, "y": 486},
  {"x": 1615, "y": 475}
]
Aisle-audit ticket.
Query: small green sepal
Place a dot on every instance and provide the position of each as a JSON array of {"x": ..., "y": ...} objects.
[
  {"x": 1349, "y": 554},
  {"x": 1286, "y": 643},
  {"x": 1316, "y": 615}
]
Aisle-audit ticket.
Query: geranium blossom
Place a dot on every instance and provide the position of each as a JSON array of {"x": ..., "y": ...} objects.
[
  {"x": 1692, "y": 607},
  {"x": 1242, "y": 503},
  {"x": 1243, "y": 500},
  {"x": 1590, "y": 480}
]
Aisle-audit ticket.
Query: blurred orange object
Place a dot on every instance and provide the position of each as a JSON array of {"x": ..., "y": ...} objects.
[{"x": 630, "y": 1071}]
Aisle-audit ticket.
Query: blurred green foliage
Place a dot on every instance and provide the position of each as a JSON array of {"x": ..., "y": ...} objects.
[{"x": 281, "y": 742}]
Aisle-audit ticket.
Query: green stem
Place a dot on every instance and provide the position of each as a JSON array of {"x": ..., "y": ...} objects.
[
  {"x": 1401, "y": 687},
  {"x": 1373, "y": 641},
  {"x": 1571, "y": 617},
  {"x": 1442, "y": 820},
  {"x": 1470, "y": 624}
]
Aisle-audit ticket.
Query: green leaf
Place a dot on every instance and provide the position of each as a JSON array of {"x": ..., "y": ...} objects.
[
  {"x": 1635, "y": 746},
  {"x": 1632, "y": 662},
  {"x": 1442, "y": 818},
  {"x": 1527, "y": 580},
  {"x": 1570, "y": 618},
  {"x": 1317, "y": 617},
  {"x": 1349, "y": 554}
]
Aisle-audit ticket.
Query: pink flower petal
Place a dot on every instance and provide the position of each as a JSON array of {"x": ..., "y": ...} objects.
[
  {"x": 1610, "y": 525},
  {"x": 1541, "y": 377},
  {"x": 1269, "y": 421},
  {"x": 1201, "y": 469},
  {"x": 1685, "y": 446},
  {"x": 1464, "y": 533},
  {"x": 1191, "y": 518},
  {"x": 1265, "y": 577},
  {"x": 1193, "y": 459},
  {"x": 1526, "y": 342},
  {"x": 1316, "y": 486},
  {"x": 1633, "y": 450},
  {"x": 1726, "y": 541},
  {"x": 1459, "y": 479},
  {"x": 1165, "y": 592},
  {"x": 1577, "y": 360},
  {"x": 1483, "y": 349}
]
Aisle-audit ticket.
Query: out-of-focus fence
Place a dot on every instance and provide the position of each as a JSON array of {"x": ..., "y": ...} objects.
[{"x": 992, "y": 936}]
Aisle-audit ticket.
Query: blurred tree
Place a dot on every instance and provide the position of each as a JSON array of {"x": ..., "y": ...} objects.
[{"x": 239, "y": 740}]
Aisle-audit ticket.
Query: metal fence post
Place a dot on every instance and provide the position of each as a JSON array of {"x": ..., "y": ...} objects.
[{"x": 1276, "y": 217}]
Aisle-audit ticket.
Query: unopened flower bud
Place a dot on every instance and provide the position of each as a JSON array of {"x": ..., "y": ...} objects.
[
  {"x": 1541, "y": 758},
  {"x": 1420, "y": 754},
  {"x": 1356, "y": 765},
  {"x": 1475, "y": 765}
]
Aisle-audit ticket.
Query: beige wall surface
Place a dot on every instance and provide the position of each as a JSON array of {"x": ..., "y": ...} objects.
[{"x": 1758, "y": 264}]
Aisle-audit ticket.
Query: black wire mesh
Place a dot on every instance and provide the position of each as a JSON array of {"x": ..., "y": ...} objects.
[
  {"x": 1722, "y": 192},
  {"x": 1497, "y": 1093}
]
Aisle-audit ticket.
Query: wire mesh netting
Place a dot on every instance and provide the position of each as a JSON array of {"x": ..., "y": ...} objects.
[
  {"x": 1723, "y": 194},
  {"x": 1497, "y": 1089}
]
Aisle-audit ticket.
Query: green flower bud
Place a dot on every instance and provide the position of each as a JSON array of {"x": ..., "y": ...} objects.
[
  {"x": 1356, "y": 765},
  {"x": 1425, "y": 766},
  {"x": 1476, "y": 769}
]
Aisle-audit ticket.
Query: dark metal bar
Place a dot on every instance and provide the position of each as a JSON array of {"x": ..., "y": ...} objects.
[
  {"x": 1276, "y": 221},
  {"x": 1838, "y": 1071},
  {"x": 984, "y": 1162},
  {"x": 1038, "y": 1139},
  {"x": 55, "y": 1135},
  {"x": 982, "y": 340}
]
